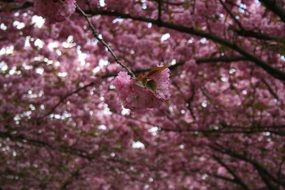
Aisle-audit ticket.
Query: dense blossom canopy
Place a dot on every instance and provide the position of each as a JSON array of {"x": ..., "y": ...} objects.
[
  {"x": 56, "y": 10},
  {"x": 142, "y": 94}
]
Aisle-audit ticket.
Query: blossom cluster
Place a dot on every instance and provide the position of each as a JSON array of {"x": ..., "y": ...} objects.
[
  {"x": 56, "y": 10},
  {"x": 141, "y": 94}
]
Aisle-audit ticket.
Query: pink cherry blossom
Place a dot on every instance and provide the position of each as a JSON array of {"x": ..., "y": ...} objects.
[
  {"x": 55, "y": 10},
  {"x": 76, "y": 113},
  {"x": 136, "y": 96}
]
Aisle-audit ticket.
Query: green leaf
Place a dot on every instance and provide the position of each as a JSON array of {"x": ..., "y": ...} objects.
[{"x": 150, "y": 84}]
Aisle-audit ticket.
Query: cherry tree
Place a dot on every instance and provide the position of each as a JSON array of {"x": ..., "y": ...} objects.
[{"x": 142, "y": 94}]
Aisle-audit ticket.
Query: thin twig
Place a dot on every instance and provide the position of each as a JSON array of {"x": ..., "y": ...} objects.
[
  {"x": 231, "y": 14},
  {"x": 101, "y": 40},
  {"x": 159, "y": 10}
]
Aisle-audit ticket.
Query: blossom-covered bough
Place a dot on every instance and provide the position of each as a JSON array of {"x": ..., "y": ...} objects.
[{"x": 142, "y": 94}]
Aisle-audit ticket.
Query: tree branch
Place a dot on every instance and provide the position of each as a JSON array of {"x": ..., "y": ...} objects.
[
  {"x": 236, "y": 177},
  {"x": 231, "y": 130},
  {"x": 259, "y": 36},
  {"x": 265, "y": 174},
  {"x": 275, "y": 8},
  {"x": 100, "y": 39},
  {"x": 159, "y": 2},
  {"x": 231, "y": 14},
  {"x": 38, "y": 143},
  {"x": 226, "y": 59},
  {"x": 278, "y": 74}
]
